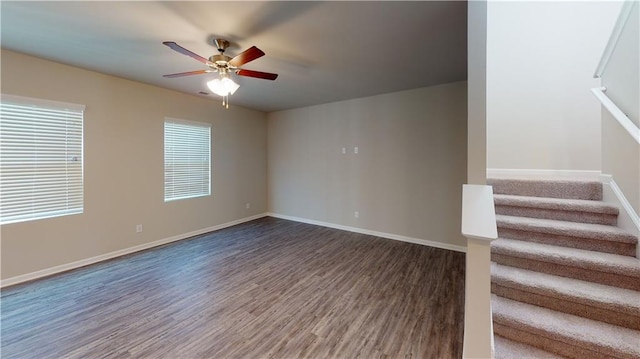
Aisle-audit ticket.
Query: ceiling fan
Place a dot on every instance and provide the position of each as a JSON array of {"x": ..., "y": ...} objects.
[{"x": 223, "y": 65}]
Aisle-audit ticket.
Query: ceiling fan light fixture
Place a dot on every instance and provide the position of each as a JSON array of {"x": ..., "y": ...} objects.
[{"x": 223, "y": 86}]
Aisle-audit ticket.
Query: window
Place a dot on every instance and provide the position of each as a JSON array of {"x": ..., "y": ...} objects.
[
  {"x": 187, "y": 159},
  {"x": 41, "y": 164}
]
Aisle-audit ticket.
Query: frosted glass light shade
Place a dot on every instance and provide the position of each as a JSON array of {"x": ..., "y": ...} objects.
[{"x": 223, "y": 86}]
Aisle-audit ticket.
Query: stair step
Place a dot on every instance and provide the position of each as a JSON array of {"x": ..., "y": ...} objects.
[
  {"x": 508, "y": 349},
  {"x": 562, "y": 333},
  {"x": 597, "y": 267},
  {"x": 595, "y": 237},
  {"x": 612, "y": 305},
  {"x": 572, "y": 210},
  {"x": 560, "y": 188}
]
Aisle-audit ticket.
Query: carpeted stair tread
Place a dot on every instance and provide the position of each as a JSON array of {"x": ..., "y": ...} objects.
[
  {"x": 603, "y": 262},
  {"x": 602, "y": 339},
  {"x": 508, "y": 349},
  {"x": 593, "y": 237},
  {"x": 560, "y": 204},
  {"x": 564, "y": 277},
  {"x": 564, "y": 228},
  {"x": 551, "y": 188},
  {"x": 571, "y": 210},
  {"x": 615, "y": 299}
]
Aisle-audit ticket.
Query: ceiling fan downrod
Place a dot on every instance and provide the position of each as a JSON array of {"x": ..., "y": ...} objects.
[{"x": 221, "y": 44}]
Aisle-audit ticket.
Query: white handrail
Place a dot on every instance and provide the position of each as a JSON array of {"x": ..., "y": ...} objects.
[
  {"x": 615, "y": 111},
  {"x": 613, "y": 39}
]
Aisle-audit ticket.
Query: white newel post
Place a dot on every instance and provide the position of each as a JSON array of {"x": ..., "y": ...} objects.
[{"x": 479, "y": 226}]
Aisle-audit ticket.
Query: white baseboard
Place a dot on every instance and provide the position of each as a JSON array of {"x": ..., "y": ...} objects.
[
  {"x": 628, "y": 219},
  {"x": 118, "y": 253},
  {"x": 542, "y": 174},
  {"x": 396, "y": 237}
]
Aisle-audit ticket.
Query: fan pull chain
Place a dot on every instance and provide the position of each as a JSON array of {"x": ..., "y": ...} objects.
[{"x": 225, "y": 101}]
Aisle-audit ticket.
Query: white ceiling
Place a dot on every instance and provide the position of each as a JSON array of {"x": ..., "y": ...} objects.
[{"x": 323, "y": 51}]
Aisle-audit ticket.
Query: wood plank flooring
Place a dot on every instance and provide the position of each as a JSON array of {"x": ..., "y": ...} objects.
[{"x": 269, "y": 288}]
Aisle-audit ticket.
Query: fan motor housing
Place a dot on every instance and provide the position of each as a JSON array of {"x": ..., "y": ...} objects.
[{"x": 220, "y": 60}]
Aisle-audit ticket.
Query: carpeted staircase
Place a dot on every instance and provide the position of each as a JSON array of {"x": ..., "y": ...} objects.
[{"x": 565, "y": 281}]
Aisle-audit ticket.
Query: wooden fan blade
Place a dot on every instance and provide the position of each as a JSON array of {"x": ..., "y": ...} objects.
[
  {"x": 197, "y": 72},
  {"x": 257, "y": 74},
  {"x": 247, "y": 56},
  {"x": 175, "y": 47}
]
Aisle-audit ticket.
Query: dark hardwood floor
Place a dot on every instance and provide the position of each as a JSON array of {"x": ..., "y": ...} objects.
[{"x": 269, "y": 288}]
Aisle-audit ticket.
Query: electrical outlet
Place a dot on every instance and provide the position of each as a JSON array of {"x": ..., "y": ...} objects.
[
  {"x": 138, "y": 228},
  {"x": 248, "y": 205},
  {"x": 356, "y": 214},
  {"x": 344, "y": 150},
  {"x": 355, "y": 150}
]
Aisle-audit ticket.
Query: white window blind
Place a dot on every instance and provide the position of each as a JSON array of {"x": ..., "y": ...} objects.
[
  {"x": 41, "y": 164},
  {"x": 187, "y": 159}
]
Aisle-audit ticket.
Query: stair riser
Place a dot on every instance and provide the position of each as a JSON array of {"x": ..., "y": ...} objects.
[
  {"x": 590, "y": 275},
  {"x": 587, "y": 191},
  {"x": 569, "y": 216},
  {"x": 566, "y": 305},
  {"x": 625, "y": 249},
  {"x": 545, "y": 343},
  {"x": 510, "y": 349}
]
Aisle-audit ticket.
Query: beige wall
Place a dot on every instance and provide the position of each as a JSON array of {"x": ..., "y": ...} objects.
[
  {"x": 123, "y": 168},
  {"x": 406, "y": 179},
  {"x": 621, "y": 158},
  {"x": 541, "y": 57},
  {"x": 621, "y": 77}
]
